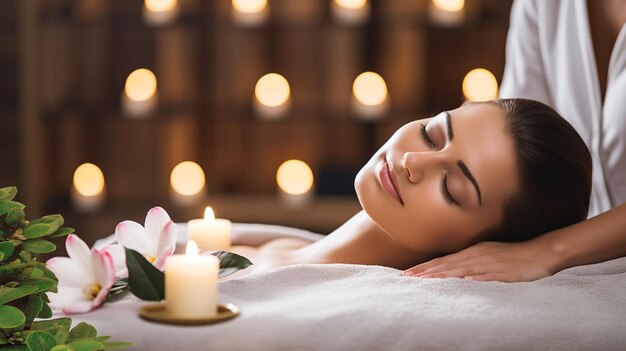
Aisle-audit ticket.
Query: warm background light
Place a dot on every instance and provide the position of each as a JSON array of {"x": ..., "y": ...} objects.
[
  {"x": 369, "y": 88},
  {"x": 160, "y": 5},
  {"x": 351, "y": 4},
  {"x": 449, "y": 5},
  {"x": 294, "y": 177},
  {"x": 187, "y": 178},
  {"x": 249, "y": 6},
  {"x": 141, "y": 85},
  {"x": 88, "y": 179},
  {"x": 480, "y": 85},
  {"x": 272, "y": 90}
]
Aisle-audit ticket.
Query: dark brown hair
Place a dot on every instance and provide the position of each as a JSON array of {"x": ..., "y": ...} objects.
[{"x": 554, "y": 168}]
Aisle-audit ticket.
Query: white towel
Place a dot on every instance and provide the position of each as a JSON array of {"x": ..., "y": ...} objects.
[{"x": 357, "y": 307}]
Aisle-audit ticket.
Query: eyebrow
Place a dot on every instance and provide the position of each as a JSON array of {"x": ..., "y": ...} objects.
[{"x": 466, "y": 172}]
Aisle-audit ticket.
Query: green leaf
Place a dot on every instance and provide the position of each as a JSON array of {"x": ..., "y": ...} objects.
[
  {"x": 15, "y": 348},
  {"x": 63, "y": 322},
  {"x": 46, "y": 311},
  {"x": 38, "y": 246},
  {"x": 6, "y": 206},
  {"x": 15, "y": 217},
  {"x": 62, "y": 232},
  {"x": 3, "y": 338},
  {"x": 40, "y": 341},
  {"x": 38, "y": 230},
  {"x": 54, "y": 222},
  {"x": 60, "y": 334},
  {"x": 145, "y": 281},
  {"x": 8, "y": 193},
  {"x": 86, "y": 345},
  {"x": 231, "y": 262},
  {"x": 11, "y": 317},
  {"x": 83, "y": 330},
  {"x": 113, "y": 345},
  {"x": 10, "y": 294},
  {"x": 33, "y": 307},
  {"x": 61, "y": 348},
  {"x": 7, "y": 248}
]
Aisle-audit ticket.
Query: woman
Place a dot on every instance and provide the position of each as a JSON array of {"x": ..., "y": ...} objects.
[
  {"x": 569, "y": 54},
  {"x": 503, "y": 170}
]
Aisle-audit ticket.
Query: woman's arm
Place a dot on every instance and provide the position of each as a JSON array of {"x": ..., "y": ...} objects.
[{"x": 597, "y": 239}]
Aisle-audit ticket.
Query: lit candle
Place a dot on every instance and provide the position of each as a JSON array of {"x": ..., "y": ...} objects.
[
  {"x": 369, "y": 96},
  {"x": 250, "y": 13},
  {"x": 272, "y": 96},
  {"x": 295, "y": 181},
  {"x": 140, "y": 93},
  {"x": 447, "y": 12},
  {"x": 480, "y": 85},
  {"x": 210, "y": 233},
  {"x": 191, "y": 284},
  {"x": 88, "y": 188},
  {"x": 159, "y": 12},
  {"x": 350, "y": 11},
  {"x": 187, "y": 182}
]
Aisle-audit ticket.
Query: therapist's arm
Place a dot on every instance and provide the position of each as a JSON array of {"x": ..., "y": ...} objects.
[{"x": 594, "y": 240}]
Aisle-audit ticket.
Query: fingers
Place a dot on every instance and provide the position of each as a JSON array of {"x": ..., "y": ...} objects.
[{"x": 437, "y": 262}]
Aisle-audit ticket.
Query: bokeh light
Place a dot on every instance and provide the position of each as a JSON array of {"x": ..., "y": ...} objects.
[
  {"x": 187, "y": 178},
  {"x": 141, "y": 85},
  {"x": 88, "y": 180},
  {"x": 160, "y": 5},
  {"x": 294, "y": 177},
  {"x": 272, "y": 90},
  {"x": 369, "y": 88},
  {"x": 480, "y": 85},
  {"x": 449, "y": 5},
  {"x": 249, "y": 6},
  {"x": 351, "y": 4}
]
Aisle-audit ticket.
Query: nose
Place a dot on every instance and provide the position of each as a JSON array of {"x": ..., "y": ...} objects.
[{"x": 417, "y": 164}]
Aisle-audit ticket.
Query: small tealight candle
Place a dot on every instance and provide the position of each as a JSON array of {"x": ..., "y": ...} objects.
[
  {"x": 370, "y": 100},
  {"x": 272, "y": 96},
  {"x": 250, "y": 13},
  {"x": 210, "y": 233},
  {"x": 139, "y": 97},
  {"x": 447, "y": 13},
  {"x": 88, "y": 188},
  {"x": 350, "y": 11},
  {"x": 191, "y": 284},
  {"x": 295, "y": 182},
  {"x": 159, "y": 12}
]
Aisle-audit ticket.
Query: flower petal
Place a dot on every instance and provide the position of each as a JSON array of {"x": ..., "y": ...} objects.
[
  {"x": 100, "y": 298},
  {"x": 65, "y": 296},
  {"x": 167, "y": 244},
  {"x": 79, "y": 253},
  {"x": 119, "y": 259},
  {"x": 79, "y": 307},
  {"x": 102, "y": 268},
  {"x": 68, "y": 272},
  {"x": 133, "y": 236},
  {"x": 156, "y": 220}
]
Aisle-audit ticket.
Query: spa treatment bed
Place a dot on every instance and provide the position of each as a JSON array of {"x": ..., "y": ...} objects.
[{"x": 356, "y": 307}]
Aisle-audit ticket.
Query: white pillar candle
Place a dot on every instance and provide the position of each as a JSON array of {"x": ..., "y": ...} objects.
[
  {"x": 140, "y": 98},
  {"x": 210, "y": 233},
  {"x": 159, "y": 12},
  {"x": 370, "y": 100},
  {"x": 88, "y": 188},
  {"x": 447, "y": 13},
  {"x": 191, "y": 284},
  {"x": 250, "y": 13},
  {"x": 272, "y": 96}
]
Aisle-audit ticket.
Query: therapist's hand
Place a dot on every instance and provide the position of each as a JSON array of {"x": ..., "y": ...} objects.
[{"x": 505, "y": 262}]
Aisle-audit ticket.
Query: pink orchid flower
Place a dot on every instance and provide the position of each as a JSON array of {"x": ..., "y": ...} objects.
[
  {"x": 156, "y": 241},
  {"x": 85, "y": 277}
]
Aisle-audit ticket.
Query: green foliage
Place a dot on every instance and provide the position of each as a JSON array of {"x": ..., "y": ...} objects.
[
  {"x": 24, "y": 282},
  {"x": 231, "y": 262}
]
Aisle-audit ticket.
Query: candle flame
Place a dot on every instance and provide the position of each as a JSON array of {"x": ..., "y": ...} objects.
[
  {"x": 209, "y": 215},
  {"x": 192, "y": 248},
  {"x": 480, "y": 85},
  {"x": 88, "y": 180},
  {"x": 369, "y": 88},
  {"x": 294, "y": 177}
]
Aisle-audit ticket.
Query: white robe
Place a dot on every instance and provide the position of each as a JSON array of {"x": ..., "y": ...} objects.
[{"x": 550, "y": 58}]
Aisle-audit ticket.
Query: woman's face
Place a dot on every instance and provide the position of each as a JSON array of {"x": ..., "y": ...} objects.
[{"x": 438, "y": 182}]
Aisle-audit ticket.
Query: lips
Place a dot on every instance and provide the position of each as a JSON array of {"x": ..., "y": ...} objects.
[{"x": 387, "y": 181}]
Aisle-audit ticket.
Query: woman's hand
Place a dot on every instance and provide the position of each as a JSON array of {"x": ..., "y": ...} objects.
[{"x": 505, "y": 262}]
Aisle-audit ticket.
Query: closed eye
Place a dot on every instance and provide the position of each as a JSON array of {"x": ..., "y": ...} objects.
[
  {"x": 446, "y": 192},
  {"x": 425, "y": 136}
]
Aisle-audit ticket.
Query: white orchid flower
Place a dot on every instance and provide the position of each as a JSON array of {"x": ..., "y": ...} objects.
[
  {"x": 85, "y": 277},
  {"x": 156, "y": 241}
]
